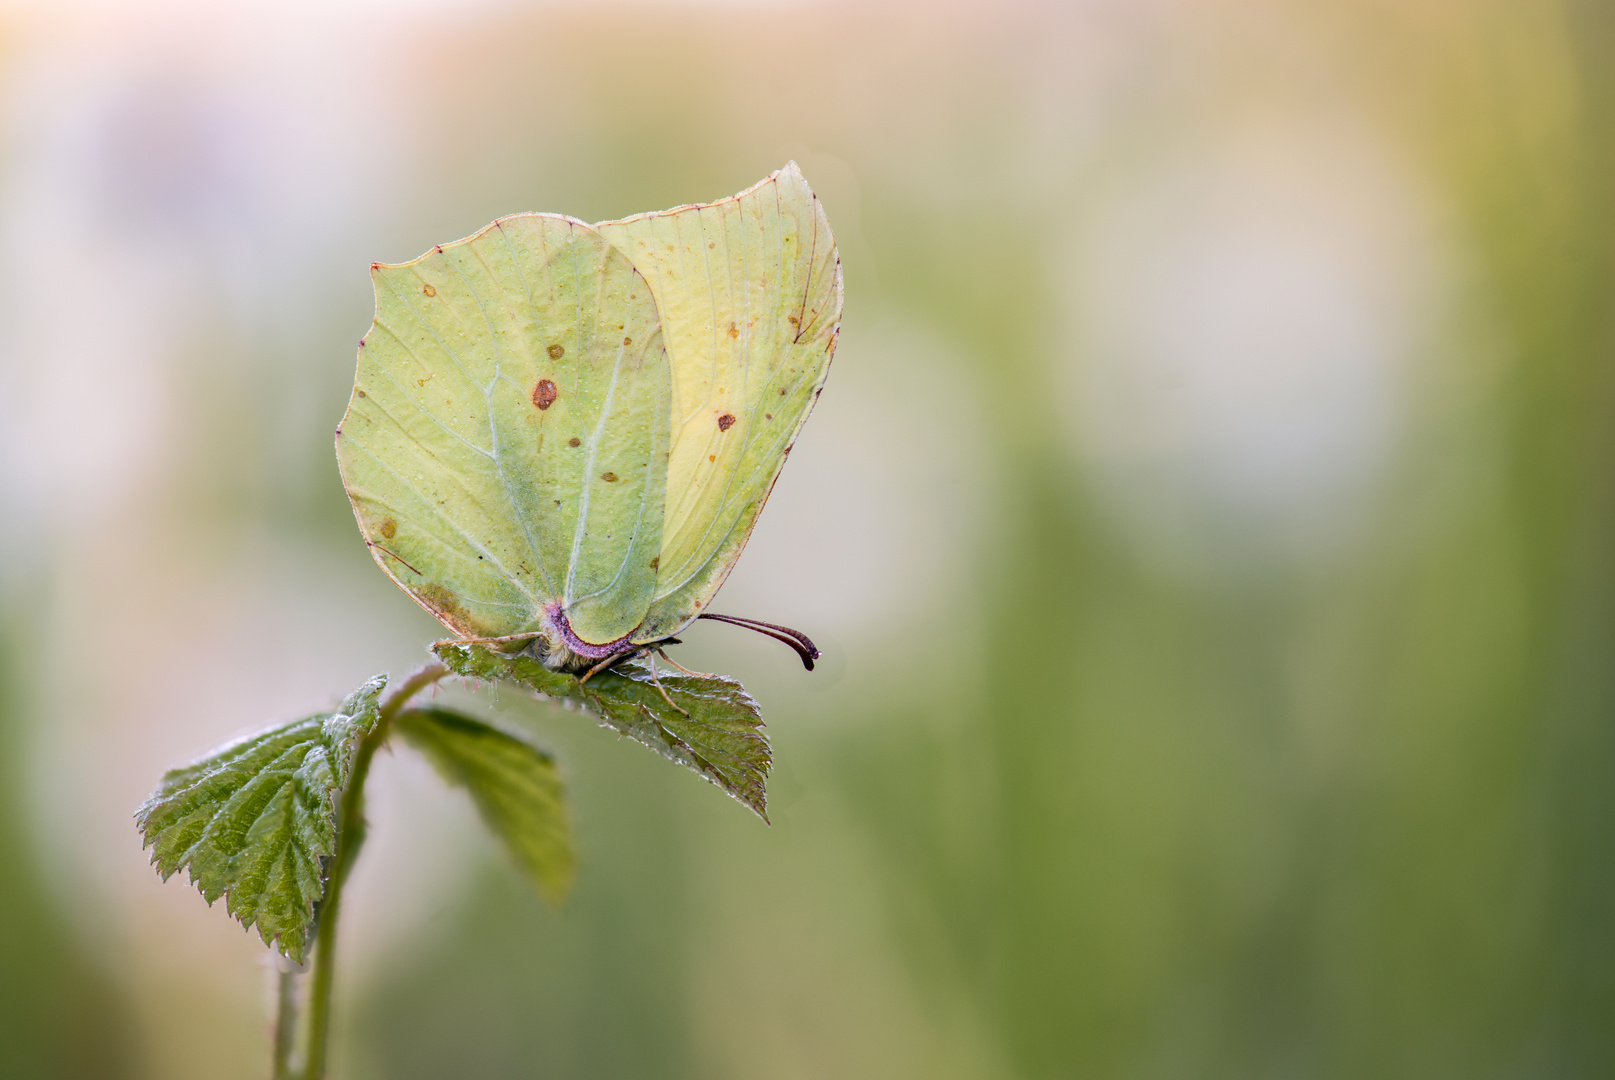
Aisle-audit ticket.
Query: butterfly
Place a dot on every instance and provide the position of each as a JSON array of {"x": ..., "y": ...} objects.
[{"x": 561, "y": 435}]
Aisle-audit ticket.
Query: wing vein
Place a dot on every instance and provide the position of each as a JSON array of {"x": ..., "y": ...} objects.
[
  {"x": 454, "y": 527},
  {"x": 588, "y": 486},
  {"x": 428, "y": 413},
  {"x": 516, "y": 507}
]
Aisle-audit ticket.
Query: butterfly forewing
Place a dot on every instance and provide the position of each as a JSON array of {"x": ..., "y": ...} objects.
[{"x": 749, "y": 289}]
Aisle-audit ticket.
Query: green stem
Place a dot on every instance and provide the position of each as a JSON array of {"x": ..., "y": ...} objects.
[
  {"x": 285, "y": 1018},
  {"x": 349, "y": 838}
]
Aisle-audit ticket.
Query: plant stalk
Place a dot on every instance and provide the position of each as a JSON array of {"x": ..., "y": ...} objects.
[
  {"x": 350, "y": 837},
  {"x": 285, "y": 1017}
]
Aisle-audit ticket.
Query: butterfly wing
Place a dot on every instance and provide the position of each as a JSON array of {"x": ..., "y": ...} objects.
[
  {"x": 506, "y": 443},
  {"x": 749, "y": 290}
]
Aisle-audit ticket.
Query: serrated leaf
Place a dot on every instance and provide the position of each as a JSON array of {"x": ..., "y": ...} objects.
[
  {"x": 719, "y": 735},
  {"x": 516, "y": 786},
  {"x": 254, "y": 820}
]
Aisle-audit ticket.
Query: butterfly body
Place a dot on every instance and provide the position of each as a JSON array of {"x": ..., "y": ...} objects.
[{"x": 562, "y": 434}]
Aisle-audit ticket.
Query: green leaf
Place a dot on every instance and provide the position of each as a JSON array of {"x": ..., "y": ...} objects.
[
  {"x": 719, "y": 734},
  {"x": 255, "y": 820},
  {"x": 516, "y": 786}
]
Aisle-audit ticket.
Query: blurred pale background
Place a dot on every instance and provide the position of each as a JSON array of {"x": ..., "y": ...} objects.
[{"x": 1209, "y": 520}]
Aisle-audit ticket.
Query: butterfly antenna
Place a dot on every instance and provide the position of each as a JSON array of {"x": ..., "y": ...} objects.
[{"x": 794, "y": 638}]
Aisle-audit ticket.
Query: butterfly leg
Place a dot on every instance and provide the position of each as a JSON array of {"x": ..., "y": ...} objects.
[
  {"x": 613, "y": 659},
  {"x": 629, "y": 654},
  {"x": 652, "y": 659},
  {"x": 527, "y": 636},
  {"x": 663, "y": 654}
]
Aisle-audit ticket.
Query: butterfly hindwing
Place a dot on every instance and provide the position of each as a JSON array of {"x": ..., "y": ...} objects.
[{"x": 505, "y": 446}]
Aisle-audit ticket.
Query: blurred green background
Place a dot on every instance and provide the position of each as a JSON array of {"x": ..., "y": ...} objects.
[{"x": 1208, "y": 518}]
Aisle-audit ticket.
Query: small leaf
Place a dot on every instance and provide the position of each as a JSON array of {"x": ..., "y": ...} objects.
[
  {"x": 516, "y": 786},
  {"x": 720, "y": 737},
  {"x": 254, "y": 821}
]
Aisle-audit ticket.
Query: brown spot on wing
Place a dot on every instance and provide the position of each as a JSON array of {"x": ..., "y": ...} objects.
[
  {"x": 610, "y": 477},
  {"x": 656, "y": 562},
  {"x": 429, "y": 290},
  {"x": 734, "y": 331},
  {"x": 556, "y": 351},
  {"x": 726, "y": 421},
  {"x": 544, "y": 394},
  {"x": 389, "y": 528},
  {"x": 573, "y": 441},
  {"x": 444, "y": 604}
]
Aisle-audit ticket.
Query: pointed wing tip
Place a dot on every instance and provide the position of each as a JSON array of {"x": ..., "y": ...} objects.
[
  {"x": 794, "y": 185},
  {"x": 792, "y": 174}
]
